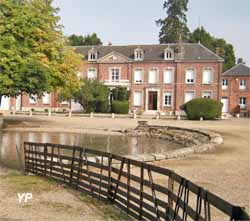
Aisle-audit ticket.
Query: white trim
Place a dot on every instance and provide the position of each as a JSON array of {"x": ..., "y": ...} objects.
[{"x": 110, "y": 73}]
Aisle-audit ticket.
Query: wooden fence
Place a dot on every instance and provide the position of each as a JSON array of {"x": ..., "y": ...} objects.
[{"x": 144, "y": 191}]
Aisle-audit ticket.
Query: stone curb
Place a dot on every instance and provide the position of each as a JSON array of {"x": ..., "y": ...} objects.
[{"x": 214, "y": 139}]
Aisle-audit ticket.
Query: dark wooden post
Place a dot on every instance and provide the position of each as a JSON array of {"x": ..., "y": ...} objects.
[{"x": 45, "y": 159}]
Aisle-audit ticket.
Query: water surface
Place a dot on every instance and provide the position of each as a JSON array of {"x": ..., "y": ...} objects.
[{"x": 10, "y": 142}]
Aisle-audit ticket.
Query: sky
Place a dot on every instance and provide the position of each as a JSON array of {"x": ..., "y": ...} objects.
[{"x": 124, "y": 22}]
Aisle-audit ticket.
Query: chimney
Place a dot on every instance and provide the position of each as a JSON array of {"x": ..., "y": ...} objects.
[
  {"x": 180, "y": 48},
  {"x": 110, "y": 43},
  {"x": 217, "y": 50}
]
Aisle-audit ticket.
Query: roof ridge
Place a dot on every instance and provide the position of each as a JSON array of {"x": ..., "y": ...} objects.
[{"x": 210, "y": 51}]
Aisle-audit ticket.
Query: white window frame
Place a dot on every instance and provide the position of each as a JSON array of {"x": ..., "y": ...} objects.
[
  {"x": 142, "y": 73},
  {"x": 168, "y": 54},
  {"x": 46, "y": 98},
  {"x": 136, "y": 99},
  {"x": 156, "y": 75},
  {"x": 172, "y": 75},
  {"x": 111, "y": 74},
  {"x": 206, "y": 92},
  {"x": 92, "y": 56},
  {"x": 95, "y": 73},
  {"x": 189, "y": 81},
  {"x": 242, "y": 86},
  {"x": 241, "y": 103},
  {"x": 139, "y": 55},
  {"x": 212, "y": 75},
  {"x": 224, "y": 84},
  {"x": 33, "y": 99},
  {"x": 168, "y": 93},
  {"x": 188, "y": 92}
]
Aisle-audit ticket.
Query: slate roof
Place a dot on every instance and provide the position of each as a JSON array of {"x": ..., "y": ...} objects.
[
  {"x": 192, "y": 52},
  {"x": 238, "y": 70}
]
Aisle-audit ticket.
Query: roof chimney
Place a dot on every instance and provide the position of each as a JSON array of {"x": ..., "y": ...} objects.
[
  {"x": 110, "y": 43},
  {"x": 217, "y": 50}
]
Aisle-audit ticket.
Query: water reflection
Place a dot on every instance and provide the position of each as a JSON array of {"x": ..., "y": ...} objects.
[{"x": 122, "y": 145}]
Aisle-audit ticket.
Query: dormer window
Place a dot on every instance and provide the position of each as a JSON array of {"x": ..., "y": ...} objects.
[
  {"x": 168, "y": 54},
  {"x": 92, "y": 56},
  {"x": 139, "y": 54}
]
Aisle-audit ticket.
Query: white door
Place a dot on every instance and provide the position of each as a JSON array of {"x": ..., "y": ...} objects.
[
  {"x": 224, "y": 101},
  {"x": 5, "y": 103}
]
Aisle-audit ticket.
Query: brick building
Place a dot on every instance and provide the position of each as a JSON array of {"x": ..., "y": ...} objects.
[
  {"x": 160, "y": 78},
  {"x": 235, "y": 90}
]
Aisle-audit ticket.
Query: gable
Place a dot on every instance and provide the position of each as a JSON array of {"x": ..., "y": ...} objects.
[{"x": 114, "y": 57}]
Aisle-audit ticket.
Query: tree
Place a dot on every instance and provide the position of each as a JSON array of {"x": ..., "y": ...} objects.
[
  {"x": 218, "y": 45},
  {"x": 33, "y": 58},
  {"x": 78, "y": 40},
  {"x": 175, "y": 24},
  {"x": 91, "y": 95}
]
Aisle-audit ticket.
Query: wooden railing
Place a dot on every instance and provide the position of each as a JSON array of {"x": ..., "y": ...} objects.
[{"x": 144, "y": 191}]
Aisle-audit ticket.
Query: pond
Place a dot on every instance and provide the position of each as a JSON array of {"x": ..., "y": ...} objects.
[{"x": 10, "y": 142}]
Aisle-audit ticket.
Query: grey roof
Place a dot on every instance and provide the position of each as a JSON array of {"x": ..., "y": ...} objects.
[
  {"x": 192, "y": 52},
  {"x": 238, "y": 70}
]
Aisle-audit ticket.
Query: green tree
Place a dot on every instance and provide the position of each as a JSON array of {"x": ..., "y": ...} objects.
[
  {"x": 175, "y": 24},
  {"x": 78, "y": 40},
  {"x": 91, "y": 95},
  {"x": 218, "y": 45},
  {"x": 33, "y": 58}
]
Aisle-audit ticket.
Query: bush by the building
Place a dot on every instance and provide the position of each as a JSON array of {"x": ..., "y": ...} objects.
[
  {"x": 120, "y": 107},
  {"x": 200, "y": 107},
  {"x": 120, "y": 94}
]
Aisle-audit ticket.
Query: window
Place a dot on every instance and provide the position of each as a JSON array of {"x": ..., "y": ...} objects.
[
  {"x": 115, "y": 74},
  {"x": 189, "y": 95},
  {"x": 168, "y": 76},
  {"x": 137, "y": 98},
  {"x": 152, "y": 76},
  {"x": 190, "y": 76},
  {"x": 167, "y": 99},
  {"x": 46, "y": 98},
  {"x": 242, "y": 102},
  {"x": 224, "y": 84},
  {"x": 207, "y": 94},
  {"x": 207, "y": 76},
  {"x": 138, "y": 76},
  {"x": 92, "y": 56},
  {"x": 33, "y": 99},
  {"x": 92, "y": 73},
  {"x": 168, "y": 54},
  {"x": 139, "y": 54},
  {"x": 242, "y": 84}
]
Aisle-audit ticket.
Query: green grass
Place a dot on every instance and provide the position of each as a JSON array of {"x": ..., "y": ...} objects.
[
  {"x": 105, "y": 209},
  {"x": 19, "y": 183}
]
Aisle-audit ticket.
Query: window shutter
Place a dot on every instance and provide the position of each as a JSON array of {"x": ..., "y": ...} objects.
[
  {"x": 152, "y": 77},
  {"x": 46, "y": 98},
  {"x": 137, "y": 98},
  {"x": 168, "y": 76},
  {"x": 138, "y": 76},
  {"x": 189, "y": 96},
  {"x": 207, "y": 76}
]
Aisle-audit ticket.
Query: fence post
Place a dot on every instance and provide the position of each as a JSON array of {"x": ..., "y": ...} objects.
[
  {"x": 45, "y": 159},
  {"x": 109, "y": 177}
]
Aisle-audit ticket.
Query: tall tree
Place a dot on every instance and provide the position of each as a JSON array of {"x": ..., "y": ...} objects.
[
  {"x": 218, "y": 45},
  {"x": 78, "y": 40},
  {"x": 175, "y": 24},
  {"x": 33, "y": 58}
]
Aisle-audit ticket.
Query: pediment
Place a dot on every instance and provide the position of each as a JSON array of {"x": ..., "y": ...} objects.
[{"x": 114, "y": 57}]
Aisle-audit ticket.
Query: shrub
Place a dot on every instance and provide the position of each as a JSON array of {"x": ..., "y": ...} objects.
[
  {"x": 120, "y": 107},
  {"x": 201, "y": 107},
  {"x": 102, "y": 107},
  {"x": 120, "y": 94}
]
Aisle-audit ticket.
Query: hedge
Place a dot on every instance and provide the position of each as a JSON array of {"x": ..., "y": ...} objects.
[
  {"x": 201, "y": 107},
  {"x": 120, "y": 94},
  {"x": 120, "y": 107}
]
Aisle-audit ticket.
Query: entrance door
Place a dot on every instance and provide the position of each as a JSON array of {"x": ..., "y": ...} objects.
[
  {"x": 224, "y": 101},
  {"x": 152, "y": 100}
]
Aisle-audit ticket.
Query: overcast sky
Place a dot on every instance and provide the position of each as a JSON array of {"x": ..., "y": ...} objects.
[{"x": 133, "y": 21}]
